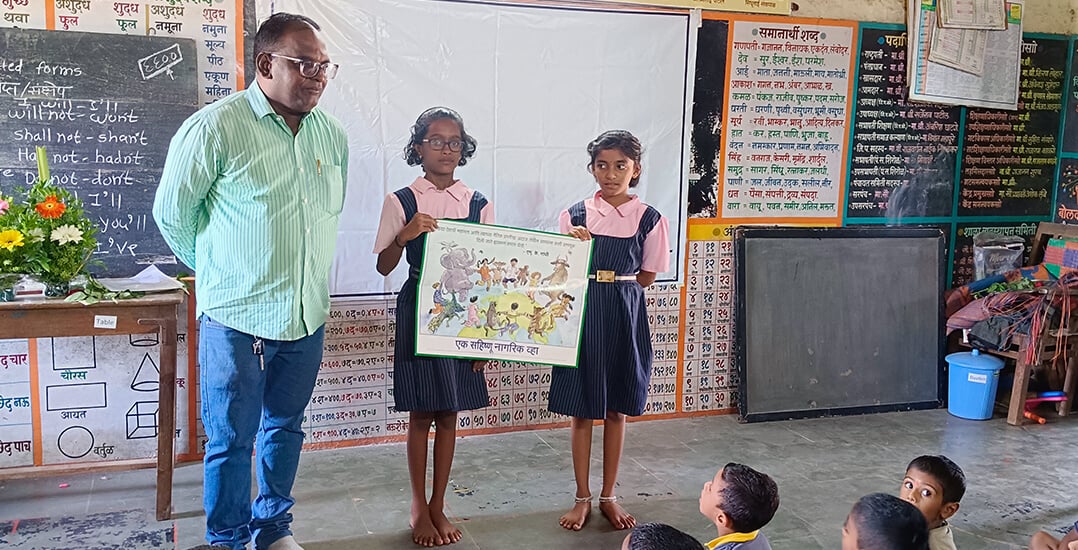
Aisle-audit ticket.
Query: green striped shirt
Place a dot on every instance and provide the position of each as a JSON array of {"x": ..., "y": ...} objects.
[{"x": 254, "y": 211}]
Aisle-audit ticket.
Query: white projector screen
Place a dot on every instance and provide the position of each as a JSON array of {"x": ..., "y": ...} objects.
[{"x": 534, "y": 85}]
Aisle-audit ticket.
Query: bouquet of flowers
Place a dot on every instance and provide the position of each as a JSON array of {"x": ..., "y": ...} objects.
[
  {"x": 47, "y": 235},
  {"x": 12, "y": 241}
]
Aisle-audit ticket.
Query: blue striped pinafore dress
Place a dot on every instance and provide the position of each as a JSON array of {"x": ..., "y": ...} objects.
[
  {"x": 429, "y": 384},
  {"x": 615, "y": 354}
]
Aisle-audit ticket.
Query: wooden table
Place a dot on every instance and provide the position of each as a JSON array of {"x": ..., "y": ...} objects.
[
  {"x": 154, "y": 313},
  {"x": 1043, "y": 348}
]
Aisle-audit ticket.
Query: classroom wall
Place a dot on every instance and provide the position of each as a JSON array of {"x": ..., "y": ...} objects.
[
  {"x": 691, "y": 326},
  {"x": 87, "y": 399},
  {"x": 878, "y": 11},
  {"x": 1052, "y": 16},
  {"x": 1047, "y": 16}
]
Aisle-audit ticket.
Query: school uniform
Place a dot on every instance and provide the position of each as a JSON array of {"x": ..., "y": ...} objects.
[
  {"x": 740, "y": 541},
  {"x": 429, "y": 384},
  {"x": 941, "y": 538},
  {"x": 614, "y": 366}
]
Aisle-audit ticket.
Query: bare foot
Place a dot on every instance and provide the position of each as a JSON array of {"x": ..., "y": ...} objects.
[
  {"x": 575, "y": 519},
  {"x": 423, "y": 531},
  {"x": 616, "y": 515},
  {"x": 448, "y": 532}
]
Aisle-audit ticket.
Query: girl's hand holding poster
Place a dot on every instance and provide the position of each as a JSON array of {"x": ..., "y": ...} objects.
[{"x": 490, "y": 292}]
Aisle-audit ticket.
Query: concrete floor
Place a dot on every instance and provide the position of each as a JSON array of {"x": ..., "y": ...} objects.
[{"x": 508, "y": 490}]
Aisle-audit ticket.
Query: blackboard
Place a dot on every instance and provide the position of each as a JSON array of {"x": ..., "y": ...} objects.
[
  {"x": 1009, "y": 157},
  {"x": 1070, "y": 130},
  {"x": 105, "y": 106},
  {"x": 959, "y": 168},
  {"x": 1067, "y": 190},
  {"x": 838, "y": 320},
  {"x": 902, "y": 155}
]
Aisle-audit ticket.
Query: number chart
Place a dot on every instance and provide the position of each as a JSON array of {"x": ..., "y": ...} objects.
[
  {"x": 708, "y": 381},
  {"x": 353, "y": 396}
]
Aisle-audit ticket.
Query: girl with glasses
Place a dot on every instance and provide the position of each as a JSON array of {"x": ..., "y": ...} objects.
[{"x": 431, "y": 389}]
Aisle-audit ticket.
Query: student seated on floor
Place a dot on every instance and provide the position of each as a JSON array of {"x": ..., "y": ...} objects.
[
  {"x": 659, "y": 536},
  {"x": 884, "y": 522},
  {"x": 935, "y": 484},
  {"x": 739, "y": 501},
  {"x": 1045, "y": 541}
]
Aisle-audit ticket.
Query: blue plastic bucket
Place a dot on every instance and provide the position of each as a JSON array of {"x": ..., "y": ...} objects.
[{"x": 972, "y": 384}]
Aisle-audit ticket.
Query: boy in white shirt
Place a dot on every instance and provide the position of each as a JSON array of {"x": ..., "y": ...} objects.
[{"x": 935, "y": 485}]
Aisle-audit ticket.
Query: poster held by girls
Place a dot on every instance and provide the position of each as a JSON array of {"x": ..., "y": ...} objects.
[{"x": 488, "y": 292}]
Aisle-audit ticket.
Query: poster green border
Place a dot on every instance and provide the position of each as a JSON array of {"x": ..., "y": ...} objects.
[{"x": 584, "y": 302}]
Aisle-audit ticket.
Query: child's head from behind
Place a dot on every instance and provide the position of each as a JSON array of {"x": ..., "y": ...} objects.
[
  {"x": 615, "y": 161},
  {"x": 935, "y": 485},
  {"x": 884, "y": 522},
  {"x": 659, "y": 536},
  {"x": 739, "y": 499},
  {"x": 439, "y": 141}
]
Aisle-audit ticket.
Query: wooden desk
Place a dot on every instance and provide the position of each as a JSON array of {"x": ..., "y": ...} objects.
[
  {"x": 41, "y": 318},
  {"x": 1049, "y": 337}
]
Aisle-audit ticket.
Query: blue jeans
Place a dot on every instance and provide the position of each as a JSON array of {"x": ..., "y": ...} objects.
[{"x": 246, "y": 408}]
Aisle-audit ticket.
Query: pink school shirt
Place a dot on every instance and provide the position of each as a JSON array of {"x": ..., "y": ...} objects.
[
  {"x": 623, "y": 221},
  {"x": 449, "y": 204}
]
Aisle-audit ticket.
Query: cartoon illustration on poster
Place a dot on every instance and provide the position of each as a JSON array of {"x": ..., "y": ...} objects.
[{"x": 489, "y": 292}]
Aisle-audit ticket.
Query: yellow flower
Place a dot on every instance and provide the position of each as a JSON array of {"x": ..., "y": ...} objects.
[{"x": 10, "y": 238}]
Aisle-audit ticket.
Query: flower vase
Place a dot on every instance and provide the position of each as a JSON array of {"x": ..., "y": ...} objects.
[
  {"x": 57, "y": 290},
  {"x": 8, "y": 281}
]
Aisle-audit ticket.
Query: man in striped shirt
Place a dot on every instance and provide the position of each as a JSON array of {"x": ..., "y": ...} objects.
[{"x": 250, "y": 198}]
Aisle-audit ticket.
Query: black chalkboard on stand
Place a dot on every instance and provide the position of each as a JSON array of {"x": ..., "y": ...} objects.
[
  {"x": 836, "y": 321},
  {"x": 105, "y": 106}
]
